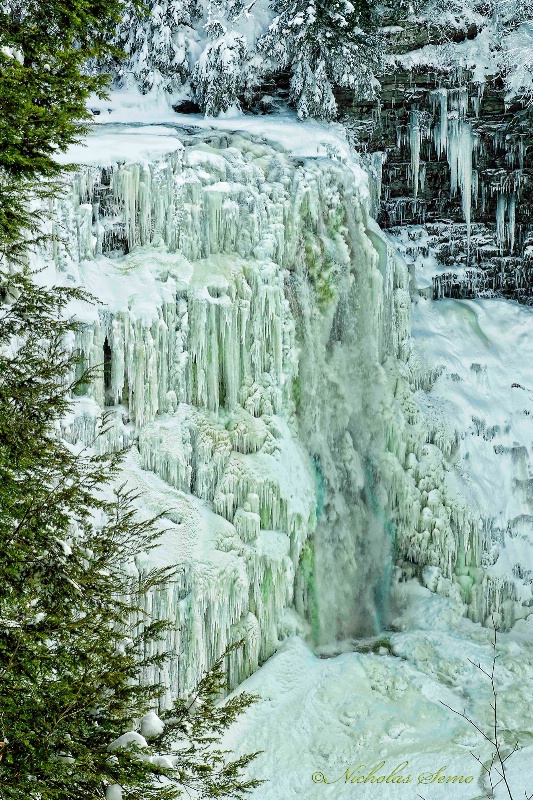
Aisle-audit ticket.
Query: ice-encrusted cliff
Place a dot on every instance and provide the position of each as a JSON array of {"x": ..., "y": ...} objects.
[{"x": 253, "y": 327}]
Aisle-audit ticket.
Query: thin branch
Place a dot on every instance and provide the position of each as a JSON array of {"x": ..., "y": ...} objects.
[{"x": 460, "y": 714}]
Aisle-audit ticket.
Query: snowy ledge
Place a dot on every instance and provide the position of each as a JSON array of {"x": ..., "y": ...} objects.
[{"x": 126, "y": 130}]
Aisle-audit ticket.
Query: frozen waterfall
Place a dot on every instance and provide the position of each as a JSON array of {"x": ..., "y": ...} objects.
[{"x": 253, "y": 327}]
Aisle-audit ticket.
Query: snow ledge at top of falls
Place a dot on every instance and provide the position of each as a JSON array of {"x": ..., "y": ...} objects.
[{"x": 125, "y": 131}]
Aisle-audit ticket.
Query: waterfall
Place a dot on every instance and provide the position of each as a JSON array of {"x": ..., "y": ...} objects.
[{"x": 255, "y": 330}]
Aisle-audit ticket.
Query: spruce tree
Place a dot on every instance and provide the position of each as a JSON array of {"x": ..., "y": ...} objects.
[
  {"x": 324, "y": 44},
  {"x": 160, "y": 43},
  {"x": 176, "y": 46},
  {"x": 221, "y": 75},
  {"x": 72, "y": 636}
]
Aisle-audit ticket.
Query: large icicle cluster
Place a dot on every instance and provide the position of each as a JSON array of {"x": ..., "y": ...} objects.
[
  {"x": 253, "y": 333},
  {"x": 452, "y": 135},
  {"x": 199, "y": 354},
  {"x": 449, "y": 149}
]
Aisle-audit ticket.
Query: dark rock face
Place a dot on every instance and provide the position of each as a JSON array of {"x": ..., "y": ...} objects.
[
  {"x": 457, "y": 160},
  {"x": 187, "y": 107}
]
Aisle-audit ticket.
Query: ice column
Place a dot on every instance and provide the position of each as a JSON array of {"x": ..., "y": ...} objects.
[
  {"x": 415, "y": 140},
  {"x": 460, "y": 150},
  {"x": 440, "y": 132},
  {"x": 501, "y": 206}
]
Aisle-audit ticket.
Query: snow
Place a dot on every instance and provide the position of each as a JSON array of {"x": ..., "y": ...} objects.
[
  {"x": 128, "y": 115},
  {"x": 130, "y": 738},
  {"x": 480, "y": 55},
  {"x": 12, "y": 52},
  {"x": 151, "y": 725},
  {"x": 339, "y": 718},
  {"x": 137, "y": 142}
]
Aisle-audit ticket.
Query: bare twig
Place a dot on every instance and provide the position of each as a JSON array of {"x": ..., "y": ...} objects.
[{"x": 497, "y": 762}]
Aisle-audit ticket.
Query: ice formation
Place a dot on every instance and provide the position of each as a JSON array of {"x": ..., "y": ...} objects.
[
  {"x": 449, "y": 130},
  {"x": 253, "y": 332},
  {"x": 453, "y": 137}
]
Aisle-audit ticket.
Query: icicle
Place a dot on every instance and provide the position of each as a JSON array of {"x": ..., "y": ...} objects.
[
  {"x": 422, "y": 178},
  {"x": 501, "y": 205},
  {"x": 375, "y": 173},
  {"x": 86, "y": 239},
  {"x": 466, "y": 146},
  {"x": 475, "y": 186},
  {"x": 462, "y": 101},
  {"x": 460, "y": 150},
  {"x": 414, "y": 141},
  {"x": 521, "y": 150},
  {"x": 441, "y": 129},
  {"x": 511, "y": 222},
  {"x": 247, "y": 523}
]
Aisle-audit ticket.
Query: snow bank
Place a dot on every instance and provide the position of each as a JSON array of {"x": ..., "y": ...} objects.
[{"x": 358, "y": 719}]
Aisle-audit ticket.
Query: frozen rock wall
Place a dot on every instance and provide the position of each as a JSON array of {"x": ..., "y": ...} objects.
[{"x": 455, "y": 157}]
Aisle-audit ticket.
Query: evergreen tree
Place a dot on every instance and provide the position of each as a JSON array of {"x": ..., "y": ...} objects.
[
  {"x": 222, "y": 74},
  {"x": 160, "y": 43},
  {"x": 183, "y": 46},
  {"x": 232, "y": 9},
  {"x": 73, "y": 640},
  {"x": 324, "y": 44},
  {"x": 44, "y": 87}
]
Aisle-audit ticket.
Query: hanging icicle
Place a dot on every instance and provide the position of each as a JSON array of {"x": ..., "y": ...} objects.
[{"x": 415, "y": 141}]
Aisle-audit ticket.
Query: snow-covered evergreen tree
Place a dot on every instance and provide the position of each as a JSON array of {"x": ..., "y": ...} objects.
[
  {"x": 513, "y": 22},
  {"x": 323, "y": 44},
  {"x": 161, "y": 43},
  {"x": 222, "y": 72},
  {"x": 232, "y": 9}
]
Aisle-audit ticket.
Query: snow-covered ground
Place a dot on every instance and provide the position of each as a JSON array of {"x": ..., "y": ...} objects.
[{"x": 340, "y": 718}]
